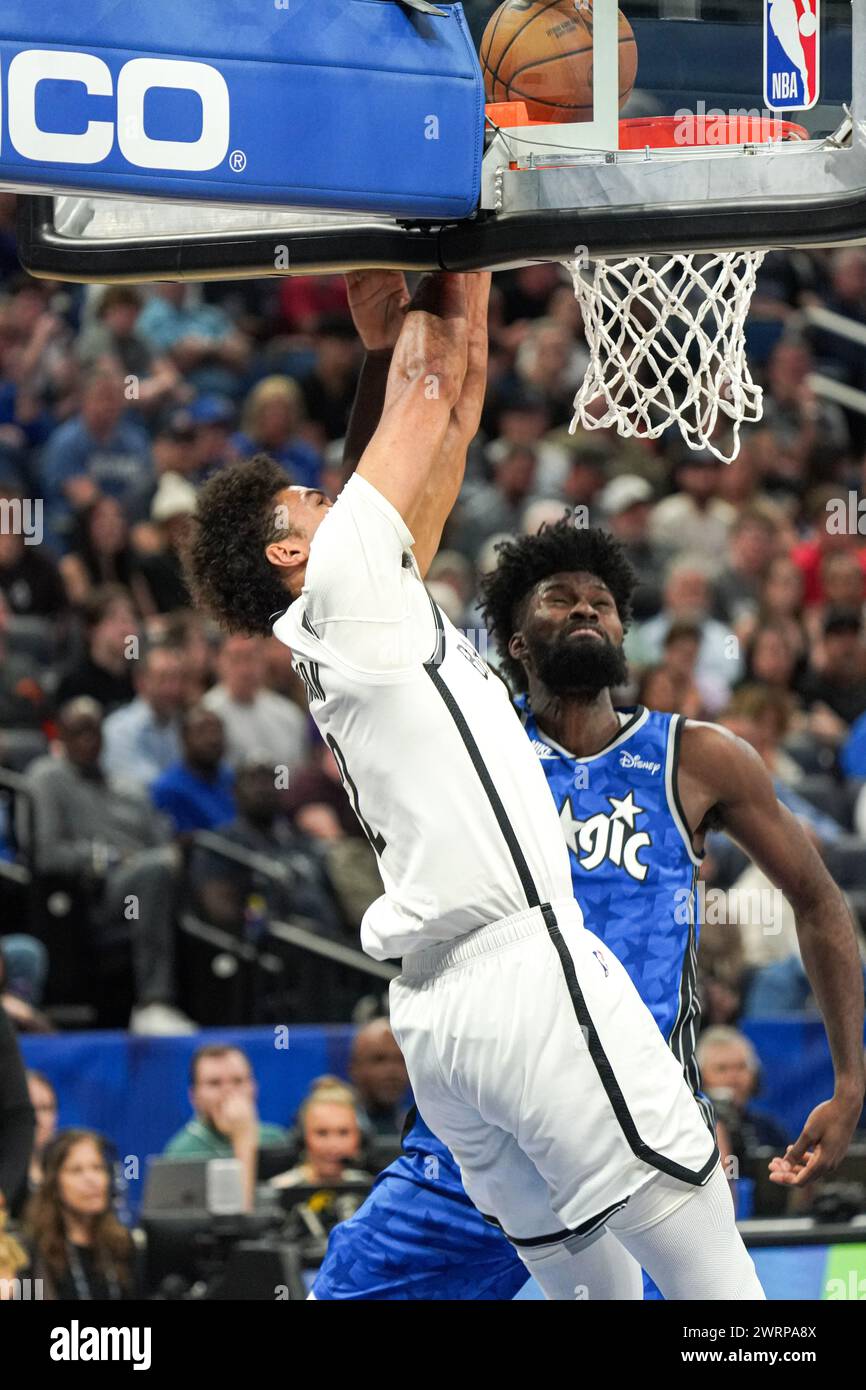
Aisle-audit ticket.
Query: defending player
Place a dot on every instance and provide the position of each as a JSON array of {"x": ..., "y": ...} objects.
[
  {"x": 628, "y": 785},
  {"x": 529, "y": 1050}
]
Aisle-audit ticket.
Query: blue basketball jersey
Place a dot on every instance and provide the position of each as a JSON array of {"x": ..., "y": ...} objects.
[
  {"x": 635, "y": 874},
  {"x": 632, "y": 863}
]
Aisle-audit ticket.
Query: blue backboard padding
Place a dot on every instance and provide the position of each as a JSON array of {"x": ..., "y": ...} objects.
[{"x": 358, "y": 105}]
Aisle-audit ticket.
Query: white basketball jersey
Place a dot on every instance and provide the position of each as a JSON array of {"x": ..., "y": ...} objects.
[{"x": 432, "y": 755}]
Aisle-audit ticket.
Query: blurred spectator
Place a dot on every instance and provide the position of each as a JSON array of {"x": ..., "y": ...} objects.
[
  {"x": 13, "y": 1260},
  {"x": 807, "y": 433},
  {"x": 626, "y": 506},
  {"x": 43, "y": 1098},
  {"x": 292, "y": 881},
  {"x": 160, "y": 565},
  {"x": 114, "y": 336},
  {"x": 762, "y": 716},
  {"x": 687, "y": 598},
  {"x": 547, "y": 362},
  {"x": 105, "y": 671},
  {"x": 103, "y": 832},
  {"x": 100, "y": 552},
  {"x": 379, "y": 1076},
  {"x": 679, "y": 660},
  {"x": 197, "y": 791},
  {"x": 258, "y": 722},
  {"x": 271, "y": 420},
  {"x": 318, "y": 805},
  {"x": 189, "y": 633},
  {"x": 496, "y": 506},
  {"x": 17, "y": 1122},
  {"x": 782, "y": 600},
  {"x": 809, "y": 555},
  {"x": 23, "y": 972},
  {"x": 730, "y": 1073},
  {"x": 199, "y": 339},
  {"x": 96, "y": 452},
  {"x": 78, "y": 1247},
  {"x": 837, "y": 675},
  {"x": 751, "y": 547},
  {"x": 770, "y": 659},
  {"x": 29, "y": 577},
  {"x": 305, "y": 300},
  {"x": 24, "y": 700},
  {"x": 843, "y": 580},
  {"x": 328, "y": 388},
  {"x": 838, "y": 356},
  {"x": 693, "y": 518},
  {"x": 853, "y": 755},
  {"x": 328, "y": 1121},
  {"x": 212, "y": 419},
  {"x": 223, "y": 1094},
  {"x": 142, "y": 739}
]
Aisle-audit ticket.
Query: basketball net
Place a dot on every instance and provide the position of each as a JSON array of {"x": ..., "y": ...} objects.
[{"x": 666, "y": 339}]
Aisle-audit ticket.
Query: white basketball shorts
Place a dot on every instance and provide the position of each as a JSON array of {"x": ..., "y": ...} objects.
[{"x": 532, "y": 1056}]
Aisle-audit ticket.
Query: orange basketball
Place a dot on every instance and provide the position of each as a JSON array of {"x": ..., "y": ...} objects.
[{"x": 541, "y": 53}]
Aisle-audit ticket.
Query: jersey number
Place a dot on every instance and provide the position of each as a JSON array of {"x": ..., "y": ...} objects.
[{"x": 377, "y": 841}]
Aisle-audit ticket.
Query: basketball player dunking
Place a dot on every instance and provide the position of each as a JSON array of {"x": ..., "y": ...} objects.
[
  {"x": 529, "y": 1050},
  {"x": 627, "y": 786}
]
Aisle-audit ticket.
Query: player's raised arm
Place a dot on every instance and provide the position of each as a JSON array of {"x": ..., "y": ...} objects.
[
  {"x": 377, "y": 300},
  {"x": 749, "y": 810},
  {"x": 425, "y": 407}
]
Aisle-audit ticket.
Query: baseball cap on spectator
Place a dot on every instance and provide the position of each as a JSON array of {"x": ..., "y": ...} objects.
[
  {"x": 174, "y": 497},
  {"x": 179, "y": 428},
  {"x": 211, "y": 410},
  {"x": 628, "y": 490},
  {"x": 840, "y": 619}
]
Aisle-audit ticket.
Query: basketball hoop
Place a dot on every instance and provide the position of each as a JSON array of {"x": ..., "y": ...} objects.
[{"x": 666, "y": 334}]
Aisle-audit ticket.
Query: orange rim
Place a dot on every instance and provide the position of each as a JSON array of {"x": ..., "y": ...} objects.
[{"x": 672, "y": 132}]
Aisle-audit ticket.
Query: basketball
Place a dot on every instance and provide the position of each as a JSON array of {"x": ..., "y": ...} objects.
[{"x": 541, "y": 53}]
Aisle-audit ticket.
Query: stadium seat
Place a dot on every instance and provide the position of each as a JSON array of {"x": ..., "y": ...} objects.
[
  {"x": 19, "y": 748},
  {"x": 827, "y": 795},
  {"x": 846, "y": 861}
]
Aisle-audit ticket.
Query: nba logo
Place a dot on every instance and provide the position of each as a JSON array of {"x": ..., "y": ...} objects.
[{"x": 792, "y": 52}]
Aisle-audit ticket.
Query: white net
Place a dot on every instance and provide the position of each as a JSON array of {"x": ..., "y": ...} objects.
[{"x": 666, "y": 337}]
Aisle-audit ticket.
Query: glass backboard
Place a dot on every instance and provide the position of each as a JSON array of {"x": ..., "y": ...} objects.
[{"x": 692, "y": 160}]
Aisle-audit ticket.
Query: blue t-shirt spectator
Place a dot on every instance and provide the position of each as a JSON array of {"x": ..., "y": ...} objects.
[
  {"x": 192, "y": 801},
  {"x": 301, "y": 461},
  {"x": 853, "y": 755},
  {"x": 98, "y": 446}
]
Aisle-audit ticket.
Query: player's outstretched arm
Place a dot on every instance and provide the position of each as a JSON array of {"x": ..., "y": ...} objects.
[
  {"x": 446, "y": 478},
  {"x": 377, "y": 300},
  {"x": 738, "y": 788},
  {"x": 424, "y": 384},
  {"x": 432, "y": 405}
]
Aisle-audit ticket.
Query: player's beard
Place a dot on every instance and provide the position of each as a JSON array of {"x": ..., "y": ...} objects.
[{"x": 579, "y": 665}]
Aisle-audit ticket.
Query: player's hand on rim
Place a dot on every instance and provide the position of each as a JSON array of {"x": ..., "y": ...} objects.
[{"x": 377, "y": 299}]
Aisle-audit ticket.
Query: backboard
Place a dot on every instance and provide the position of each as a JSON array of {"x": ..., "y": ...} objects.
[{"x": 365, "y": 139}]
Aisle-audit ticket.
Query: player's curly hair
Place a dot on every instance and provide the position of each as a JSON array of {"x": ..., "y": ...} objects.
[
  {"x": 227, "y": 571},
  {"x": 558, "y": 548}
]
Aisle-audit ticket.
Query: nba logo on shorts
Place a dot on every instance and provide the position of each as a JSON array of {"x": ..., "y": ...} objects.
[{"x": 792, "y": 52}]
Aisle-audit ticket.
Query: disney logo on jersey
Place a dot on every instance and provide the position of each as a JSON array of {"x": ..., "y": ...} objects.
[
  {"x": 467, "y": 650},
  {"x": 611, "y": 836},
  {"x": 631, "y": 760}
]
